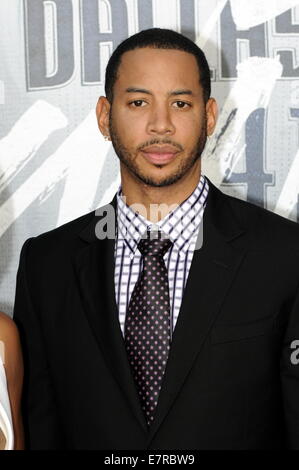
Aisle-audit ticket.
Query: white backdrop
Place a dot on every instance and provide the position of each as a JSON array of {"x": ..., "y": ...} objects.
[{"x": 54, "y": 164}]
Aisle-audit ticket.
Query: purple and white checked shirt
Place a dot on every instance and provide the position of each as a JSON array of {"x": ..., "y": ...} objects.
[{"x": 181, "y": 225}]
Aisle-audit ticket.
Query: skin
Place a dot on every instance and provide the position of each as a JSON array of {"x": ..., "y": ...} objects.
[
  {"x": 13, "y": 365},
  {"x": 169, "y": 108}
]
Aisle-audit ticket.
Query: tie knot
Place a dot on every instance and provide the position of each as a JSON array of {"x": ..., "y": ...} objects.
[{"x": 154, "y": 247}]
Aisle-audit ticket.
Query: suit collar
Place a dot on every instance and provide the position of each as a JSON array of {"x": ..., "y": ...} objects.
[
  {"x": 175, "y": 224},
  {"x": 218, "y": 212}
]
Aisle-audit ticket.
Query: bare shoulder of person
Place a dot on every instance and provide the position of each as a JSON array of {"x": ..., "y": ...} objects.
[
  {"x": 9, "y": 337},
  {"x": 12, "y": 359}
]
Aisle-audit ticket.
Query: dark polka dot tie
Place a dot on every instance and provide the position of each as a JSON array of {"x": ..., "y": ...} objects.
[{"x": 147, "y": 325}]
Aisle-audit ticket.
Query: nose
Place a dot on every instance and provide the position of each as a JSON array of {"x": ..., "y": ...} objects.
[{"x": 160, "y": 122}]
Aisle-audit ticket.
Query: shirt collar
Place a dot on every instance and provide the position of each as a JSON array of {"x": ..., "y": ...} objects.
[{"x": 179, "y": 225}]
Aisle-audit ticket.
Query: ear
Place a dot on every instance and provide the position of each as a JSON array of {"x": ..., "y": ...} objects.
[
  {"x": 102, "y": 112},
  {"x": 212, "y": 114}
]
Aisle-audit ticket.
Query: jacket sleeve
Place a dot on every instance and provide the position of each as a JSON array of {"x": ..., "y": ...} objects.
[
  {"x": 40, "y": 415},
  {"x": 289, "y": 370}
]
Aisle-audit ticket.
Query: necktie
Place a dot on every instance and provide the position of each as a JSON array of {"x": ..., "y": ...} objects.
[{"x": 147, "y": 325}]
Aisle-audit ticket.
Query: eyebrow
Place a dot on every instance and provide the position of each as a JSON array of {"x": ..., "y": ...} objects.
[{"x": 147, "y": 92}]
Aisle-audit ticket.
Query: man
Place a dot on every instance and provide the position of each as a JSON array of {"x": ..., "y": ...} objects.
[{"x": 147, "y": 340}]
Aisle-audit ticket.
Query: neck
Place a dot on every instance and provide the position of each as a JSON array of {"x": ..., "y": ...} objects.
[{"x": 154, "y": 203}]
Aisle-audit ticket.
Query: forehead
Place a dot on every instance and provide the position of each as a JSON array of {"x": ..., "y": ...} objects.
[{"x": 158, "y": 68}]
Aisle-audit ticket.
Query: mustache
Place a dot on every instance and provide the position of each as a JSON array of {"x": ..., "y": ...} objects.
[{"x": 156, "y": 141}]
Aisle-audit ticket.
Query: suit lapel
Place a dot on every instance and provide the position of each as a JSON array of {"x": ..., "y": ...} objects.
[
  {"x": 94, "y": 267},
  {"x": 211, "y": 274}
]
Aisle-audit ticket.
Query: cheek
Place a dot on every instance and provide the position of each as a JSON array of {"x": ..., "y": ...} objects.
[
  {"x": 131, "y": 130},
  {"x": 126, "y": 135},
  {"x": 189, "y": 128},
  {"x": 128, "y": 122}
]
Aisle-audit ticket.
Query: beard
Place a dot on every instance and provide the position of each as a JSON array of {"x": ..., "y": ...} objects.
[{"x": 128, "y": 158}]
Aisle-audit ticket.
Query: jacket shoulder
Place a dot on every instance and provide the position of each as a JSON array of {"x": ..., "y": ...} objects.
[
  {"x": 59, "y": 241},
  {"x": 67, "y": 230},
  {"x": 263, "y": 223}
]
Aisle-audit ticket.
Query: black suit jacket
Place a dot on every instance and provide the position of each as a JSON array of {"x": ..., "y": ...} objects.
[{"x": 230, "y": 382}]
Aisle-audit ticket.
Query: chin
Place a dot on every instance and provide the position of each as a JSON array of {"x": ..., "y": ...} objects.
[{"x": 159, "y": 182}]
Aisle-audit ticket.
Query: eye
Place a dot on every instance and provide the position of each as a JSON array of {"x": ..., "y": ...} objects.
[
  {"x": 181, "y": 104},
  {"x": 137, "y": 103}
]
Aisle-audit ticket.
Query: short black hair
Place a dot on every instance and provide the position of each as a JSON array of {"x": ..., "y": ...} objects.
[{"x": 158, "y": 38}]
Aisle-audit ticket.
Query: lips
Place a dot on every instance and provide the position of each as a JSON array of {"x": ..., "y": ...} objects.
[{"x": 160, "y": 154}]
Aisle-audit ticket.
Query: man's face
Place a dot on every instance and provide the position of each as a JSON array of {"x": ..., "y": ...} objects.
[{"x": 158, "y": 118}]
